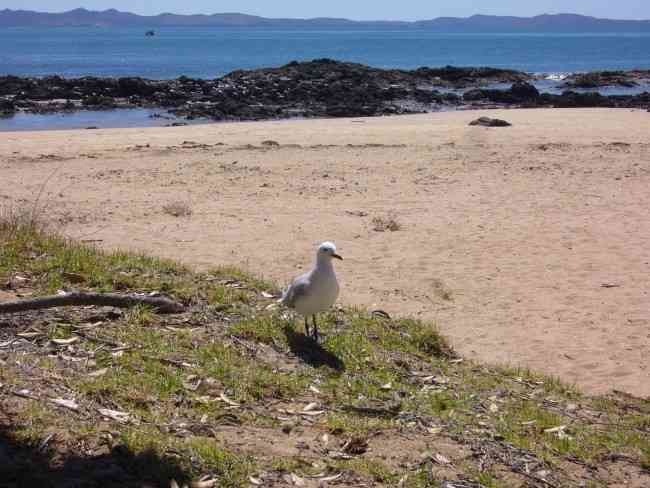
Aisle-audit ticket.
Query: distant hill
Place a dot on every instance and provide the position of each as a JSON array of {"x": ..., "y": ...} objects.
[{"x": 474, "y": 24}]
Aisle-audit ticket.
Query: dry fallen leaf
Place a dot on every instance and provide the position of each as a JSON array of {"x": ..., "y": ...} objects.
[
  {"x": 227, "y": 400},
  {"x": 314, "y": 413},
  {"x": 29, "y": 335},
  {"x": 204, "y": 482},
  {"x": 440, "y": 459},
  {"x": 330, "y": 478},
  {"x": 25, "y": 393},
  {"x": 310, "y": 407},
  {"x": 69, "y": 404},
  {"x": 121, "y": 417}
]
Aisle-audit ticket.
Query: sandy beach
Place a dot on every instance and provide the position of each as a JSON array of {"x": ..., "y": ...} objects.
[{"x": 527, "y": 245}]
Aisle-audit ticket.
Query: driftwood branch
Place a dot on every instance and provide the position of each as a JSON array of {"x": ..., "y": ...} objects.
[{"x": 161, "y": 305}]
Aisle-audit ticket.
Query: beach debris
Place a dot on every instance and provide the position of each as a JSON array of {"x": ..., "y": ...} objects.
[
  {"x": 120, "y": 417},
  {"x": 69, "y": 404},
  {"x": 380, "y": 314},
  {"x": 65, "y": 342},
  {"x": 388, "y": 223},
  {"x": 227, "y": 400},
  {"x": 440, "y": 459},
  {"x": 204, "y": 482},
  {"x": 177, "y": 209},
  {"x": 489, "y": 122},
  {"x": 311, "y": 407},
  {"x": 355, "y": 446}
]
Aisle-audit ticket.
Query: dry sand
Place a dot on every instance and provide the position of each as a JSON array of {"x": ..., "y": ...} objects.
[{"x": 507, "y": 235}]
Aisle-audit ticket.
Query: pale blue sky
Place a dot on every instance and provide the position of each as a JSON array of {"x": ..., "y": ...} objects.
[{"x": 353, "y": 9}]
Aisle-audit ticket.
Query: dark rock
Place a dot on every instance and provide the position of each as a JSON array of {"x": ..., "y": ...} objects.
[
  {"x": 571, "y": 99},
  {"x": 520, "y": 92},
  {"x": 319, "y": 88},
  {"x": 524, "y": 91},
  {"x": 128, "y": 87},
  {"x": 98, "y": 101},
  {"x": 7, "y": 106},
  {"x": 489, "y": 122},
  {"x": 599, "y": 79}
]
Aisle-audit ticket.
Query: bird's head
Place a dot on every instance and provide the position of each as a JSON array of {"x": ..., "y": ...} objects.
[{"x": 327, "y": 250}]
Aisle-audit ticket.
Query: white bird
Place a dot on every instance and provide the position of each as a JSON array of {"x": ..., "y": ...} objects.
[{"x": 317, "y": 290}]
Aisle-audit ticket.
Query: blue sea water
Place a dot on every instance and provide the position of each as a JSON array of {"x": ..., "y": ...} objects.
[
  {"x": 212, "y": 52},
  {"x": 84, "y": 119}
]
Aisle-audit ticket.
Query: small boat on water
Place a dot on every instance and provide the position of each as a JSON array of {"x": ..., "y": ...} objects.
[{"x": 150, "y": 33}]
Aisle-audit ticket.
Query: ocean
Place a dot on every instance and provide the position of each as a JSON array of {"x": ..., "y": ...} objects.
[{"x": 211, "y": 52}]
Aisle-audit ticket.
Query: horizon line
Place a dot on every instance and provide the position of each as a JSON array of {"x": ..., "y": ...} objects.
[{"x": 546, "y": 14}]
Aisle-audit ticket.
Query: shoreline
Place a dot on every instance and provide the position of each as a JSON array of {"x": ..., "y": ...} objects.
[{"x": 325, "y": 88}]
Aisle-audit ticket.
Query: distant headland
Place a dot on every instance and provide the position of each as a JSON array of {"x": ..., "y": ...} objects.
[{"x": 556, "y": 23}]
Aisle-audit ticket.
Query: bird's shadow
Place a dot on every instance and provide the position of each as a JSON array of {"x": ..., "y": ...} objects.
[{"x": 311, "y": 352}]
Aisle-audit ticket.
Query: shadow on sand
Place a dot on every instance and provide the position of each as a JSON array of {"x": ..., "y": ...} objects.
[{"x": 311, "y": 352}]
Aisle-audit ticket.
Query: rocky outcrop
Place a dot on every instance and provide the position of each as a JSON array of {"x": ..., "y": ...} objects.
[
  {"x": 526, "y": 95},
  {"x": 599, "y": 79},
  {"x": 319, "y": 88}
]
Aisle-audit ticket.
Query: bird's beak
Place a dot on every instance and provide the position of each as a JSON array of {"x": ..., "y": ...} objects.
[{"x": 337, "y": 256}]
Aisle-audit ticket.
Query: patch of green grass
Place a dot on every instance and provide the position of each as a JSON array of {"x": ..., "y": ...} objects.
[
  {"x": 244, "y": 379},
  {"x": 264, "y": 328},
  {"x": 356, "y": 423},
  {"x": 231, "y": 470},
  {"x": 201, "y": 456},
  {"x": 375, "y": 470},
  {"x": 140, "y": 316},
  {"x": 231, "y": 273}
]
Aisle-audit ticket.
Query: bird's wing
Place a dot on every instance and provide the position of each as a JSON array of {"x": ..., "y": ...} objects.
[{"x": 299, "y": 288}]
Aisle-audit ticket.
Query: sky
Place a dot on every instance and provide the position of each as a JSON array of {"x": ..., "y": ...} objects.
[{"x": 353, "y": 9}]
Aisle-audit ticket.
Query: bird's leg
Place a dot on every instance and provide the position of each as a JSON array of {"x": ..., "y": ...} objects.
[
  {"x": 315, "y": 331},
  {"x": 306, "y": 327}
]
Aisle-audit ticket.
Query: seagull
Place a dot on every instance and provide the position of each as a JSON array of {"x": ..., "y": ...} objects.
[{"x": 315, "y": 291}]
